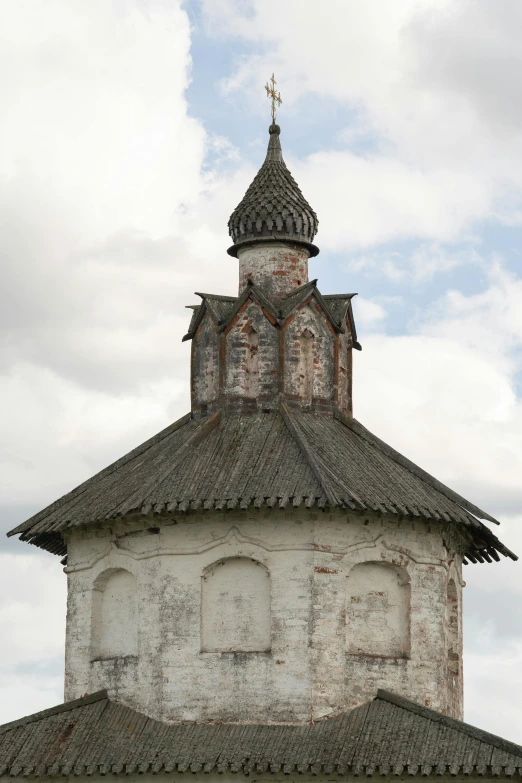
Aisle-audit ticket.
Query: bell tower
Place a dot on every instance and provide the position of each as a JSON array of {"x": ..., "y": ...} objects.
[{"x": 266, "y": 558}]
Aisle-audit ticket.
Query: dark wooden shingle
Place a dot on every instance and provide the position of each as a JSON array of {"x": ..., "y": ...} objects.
[
  {"x": 272, "y": 459},
  {"x": 389, "y": 735}
]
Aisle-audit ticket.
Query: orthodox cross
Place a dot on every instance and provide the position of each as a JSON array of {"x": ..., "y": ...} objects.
[{"x": 275, "y": 96}]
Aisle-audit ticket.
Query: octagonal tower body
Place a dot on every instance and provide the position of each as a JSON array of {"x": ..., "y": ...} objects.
[{"x": 264, "y": 615}]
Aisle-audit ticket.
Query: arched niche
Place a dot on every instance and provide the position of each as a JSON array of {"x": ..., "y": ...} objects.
[
  {"x": 114, "y": 627},
  {"x": 378, "y": 611},
  {"x": 306, "y": 366},
  {"x": 210, "y": 367},
  {"x": 252, "y": 364},
  {"x": 235, "y": 607}
]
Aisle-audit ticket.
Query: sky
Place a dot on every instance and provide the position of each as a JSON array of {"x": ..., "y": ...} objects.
[{"x": 130, "y": 130}]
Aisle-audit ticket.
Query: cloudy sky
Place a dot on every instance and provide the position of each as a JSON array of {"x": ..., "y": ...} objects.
[{"x": 129, "y": 131}]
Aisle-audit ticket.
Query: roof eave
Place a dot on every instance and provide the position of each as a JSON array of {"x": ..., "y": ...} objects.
[{"x": 287, "y": 239}]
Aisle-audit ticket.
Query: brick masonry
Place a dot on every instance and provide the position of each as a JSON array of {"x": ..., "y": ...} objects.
[
  {"x": 277, "y": 268},
  {"x": 255, "y": 363}
]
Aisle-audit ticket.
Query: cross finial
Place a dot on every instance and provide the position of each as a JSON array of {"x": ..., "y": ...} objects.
[{"x": 275, "y": 96}]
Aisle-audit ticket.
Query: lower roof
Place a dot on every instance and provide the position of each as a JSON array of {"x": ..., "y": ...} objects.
[
  {"x": 275, "y": 459},
  {"x": 389, "y": 735}
]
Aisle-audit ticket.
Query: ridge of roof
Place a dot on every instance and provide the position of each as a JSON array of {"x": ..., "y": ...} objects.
[
  {"x": 89, "y": 698},
  {"x": 198, "y": 312},
  {"x": 348, "y": 309},
  {"x": 218, "y": 297},
  {"x": 216, "y": 304},
  {"x": 339, "y": 296},
  {"x": 326, "y": 478},
  {"x": 452, "y": 723},
  {"x": 328, "y": 311},
  {"x": 293, "y": 299}
]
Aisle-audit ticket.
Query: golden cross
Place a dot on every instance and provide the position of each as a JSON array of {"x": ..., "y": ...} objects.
[{"x": 275, "y": 96}]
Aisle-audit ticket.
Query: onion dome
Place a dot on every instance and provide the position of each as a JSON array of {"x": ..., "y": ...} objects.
[{"x": 273, "y": 207}]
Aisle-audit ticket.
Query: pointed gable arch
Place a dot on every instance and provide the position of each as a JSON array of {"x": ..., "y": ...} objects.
[
  {"x": 309, "y": 295},
  {"x": 309, "y": 356},
  {"x": 250, "y": 356},
  {"x": 250, "y": 294}
]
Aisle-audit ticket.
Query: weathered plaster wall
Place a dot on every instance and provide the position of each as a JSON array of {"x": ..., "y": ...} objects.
[
  {"x": 454, "y": 642},
  {"x": 378, "y": 607},
  {"x": 310, "y": 667},
  {"x": 238, "y": 359},
  {"x": 309, "y": 325},
  {"x": 343, "y": 390},
  {"x": 236, "y": 606},
  {"x": 276, "y": 268},
  {"x": 254, "y": 362},
  {"x": 205, "y": 365}
]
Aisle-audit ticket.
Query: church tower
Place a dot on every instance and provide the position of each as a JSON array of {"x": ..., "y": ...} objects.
[{"x": 266, "y": 559}]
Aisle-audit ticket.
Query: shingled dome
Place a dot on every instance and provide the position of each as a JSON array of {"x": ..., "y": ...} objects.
[{"x": 273, "y": 206}]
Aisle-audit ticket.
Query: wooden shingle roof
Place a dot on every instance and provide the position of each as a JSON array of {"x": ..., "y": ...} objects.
[
  {"x": 275, "y": 459},
  {"x": 387, "y": 736}
]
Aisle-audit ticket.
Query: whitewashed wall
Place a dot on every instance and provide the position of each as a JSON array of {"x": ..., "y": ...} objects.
[{"x": 279, "y": 638}]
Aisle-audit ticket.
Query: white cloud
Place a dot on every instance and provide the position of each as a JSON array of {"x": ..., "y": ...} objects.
[
  {"x": 490, "y": 321},
  {"x": 108, "y": 219},
  {"x": 376, "y": 198},
  {"x": 493, "y": 682},
  {"x": 31, "y": 676},
  {"x": 447, "y": 407},
  {"x": 481, "y": 58},
  {"x": 368, "y": 313},
  {"x": 95, "y": 117}
]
